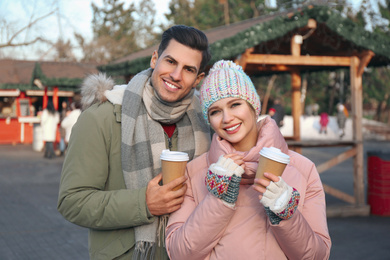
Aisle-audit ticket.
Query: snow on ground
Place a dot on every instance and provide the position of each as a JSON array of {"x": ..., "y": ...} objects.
[{"x": 310, "y": 129}]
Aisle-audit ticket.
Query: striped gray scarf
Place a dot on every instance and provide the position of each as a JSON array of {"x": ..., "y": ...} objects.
[{"x": 143, "y": 141}]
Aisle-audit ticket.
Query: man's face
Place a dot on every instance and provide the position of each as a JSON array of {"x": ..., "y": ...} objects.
[{"x": 175, "y": 71}]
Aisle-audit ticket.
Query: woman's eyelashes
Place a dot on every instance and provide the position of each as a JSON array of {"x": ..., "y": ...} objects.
[
  {"x": 215, "y": 111},
  {"x": 236, "y": 104}
]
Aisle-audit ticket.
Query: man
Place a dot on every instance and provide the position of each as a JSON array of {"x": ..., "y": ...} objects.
[{"x": 111, "y": 173}]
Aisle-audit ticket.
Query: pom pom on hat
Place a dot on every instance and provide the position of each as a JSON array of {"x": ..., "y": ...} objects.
[{"x": 227, "y": 79}]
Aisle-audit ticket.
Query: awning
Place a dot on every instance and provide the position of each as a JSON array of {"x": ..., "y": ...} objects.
[
  {"x": 9, "y": 92},
  {"x": 49, "y": 93}
]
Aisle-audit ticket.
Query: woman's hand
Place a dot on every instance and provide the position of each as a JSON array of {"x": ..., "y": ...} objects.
[
  {"x": 238, "y": 159},
  {"x": 224, "y": 176},
  {"x": 278, "y": 198},
  {"x": 263, "y": 183}
]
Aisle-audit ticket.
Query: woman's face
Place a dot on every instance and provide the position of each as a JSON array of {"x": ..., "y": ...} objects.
[{"x": 234, "y": 120}]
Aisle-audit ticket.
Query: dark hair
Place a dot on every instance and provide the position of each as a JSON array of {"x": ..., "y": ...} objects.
[
  {"x": 76, "y": 105},
  {"x": 188, "y": 36},
  {"x": 50, "y": 107}
]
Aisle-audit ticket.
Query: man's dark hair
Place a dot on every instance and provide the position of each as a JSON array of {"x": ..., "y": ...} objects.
[{"x": 188, "y": 36}]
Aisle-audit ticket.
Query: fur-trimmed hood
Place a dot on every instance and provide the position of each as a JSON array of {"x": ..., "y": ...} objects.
[{"x": 98, "y": 88}]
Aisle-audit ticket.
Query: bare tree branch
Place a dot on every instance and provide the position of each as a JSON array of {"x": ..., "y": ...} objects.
[{"x": 10, "y": 43}]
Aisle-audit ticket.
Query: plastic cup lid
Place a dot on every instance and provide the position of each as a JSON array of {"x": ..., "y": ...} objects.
[
  {"x": 175, "y": 156},
  {"x": 275, "y": 154}
]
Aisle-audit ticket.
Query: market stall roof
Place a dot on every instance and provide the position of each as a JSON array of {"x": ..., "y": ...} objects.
[
  {"x": 334, "y": 35},
  {"x": 23, "y": 74},
  {"x": 16, "y": 74}
]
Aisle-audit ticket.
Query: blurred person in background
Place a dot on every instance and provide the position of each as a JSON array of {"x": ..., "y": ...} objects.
[
  {"x": 279, "y": 112},
  {"x": 64, "y": 112},
  {"x": 70, "y": 119},
  {"x": 49, "y": 123},
  {"x": 324, "y": 120},
  {"x": 342, "y": 114}
]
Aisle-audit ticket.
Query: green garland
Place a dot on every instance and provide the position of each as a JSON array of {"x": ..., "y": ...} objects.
[
  {"x": 126, "y": 68},
  {"x": 21, "y": 87},
  {"x": 65, "y": 84},
  {"x": 229, "y": 48}
]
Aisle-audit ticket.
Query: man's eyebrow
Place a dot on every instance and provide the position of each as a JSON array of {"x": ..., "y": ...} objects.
[
  {"x": 170, "y": 57},
  {"x": 191, "y": 67},
  {"x": 185, "y": 66}
]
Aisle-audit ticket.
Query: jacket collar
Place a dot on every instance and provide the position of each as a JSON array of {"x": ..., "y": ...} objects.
[{"x": 268, "y": 135}]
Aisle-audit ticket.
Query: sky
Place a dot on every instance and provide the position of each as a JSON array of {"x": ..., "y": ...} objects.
[{"x": 76, "y": 16}]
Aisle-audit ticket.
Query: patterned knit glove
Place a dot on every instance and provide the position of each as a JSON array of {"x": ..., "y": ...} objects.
[
  {"x": 223, "y": 179},
  {"x": 280, "y": 201}
]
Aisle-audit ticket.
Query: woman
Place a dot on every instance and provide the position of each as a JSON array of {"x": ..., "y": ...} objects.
[
  {"x": 49, "y": 122},
  {"x": 70, "y": 119},
  {"x": 221, "y": 219}
]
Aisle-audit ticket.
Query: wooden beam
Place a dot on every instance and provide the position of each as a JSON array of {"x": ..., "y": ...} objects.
[
  {"x": 274, "y": 67},
  {"x": 348, "y": 211},
  {"x": 336, "y": 160},
  {"x": 339, "y": 194},
  {"x": 296, "y": 104},
  {"x": 273, "y": 59},
  {"x": 296, "y": 82},
  {"x": 296, "y": 42},
  {"x": 242, "y": 60},
  {"x": 364, "y": 60},
  {"x": 357, "y": 113}
]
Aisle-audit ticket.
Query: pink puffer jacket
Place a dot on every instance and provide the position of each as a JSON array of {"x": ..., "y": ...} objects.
[{"x": 205, "y": 228}]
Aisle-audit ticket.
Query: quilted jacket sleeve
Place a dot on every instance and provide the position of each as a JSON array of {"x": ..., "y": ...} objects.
[
  {"x": 92, "y": 191},
  {"x": 193, "y": 231},
  {"x": 305, "y": 235}
]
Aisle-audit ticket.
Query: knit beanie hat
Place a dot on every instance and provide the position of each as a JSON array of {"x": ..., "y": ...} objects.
[{"x": 227, "y": 79}]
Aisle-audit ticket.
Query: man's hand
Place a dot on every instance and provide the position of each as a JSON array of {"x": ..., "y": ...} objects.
[{"x": 163, "y": 200}]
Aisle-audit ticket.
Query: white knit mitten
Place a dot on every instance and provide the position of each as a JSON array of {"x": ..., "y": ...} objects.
[
  {"x": 223, "y": 179},
  {"x": 280, "y": 201}
]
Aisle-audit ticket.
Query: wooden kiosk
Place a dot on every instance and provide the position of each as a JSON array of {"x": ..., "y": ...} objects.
[
  {"x": 293, "y": 63},
  {"x": 25, "y": 87}
]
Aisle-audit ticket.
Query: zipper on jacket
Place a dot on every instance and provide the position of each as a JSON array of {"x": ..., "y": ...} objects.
[
  {"x": 169, "y": 143},
  {"x": 169, "y": 139}
]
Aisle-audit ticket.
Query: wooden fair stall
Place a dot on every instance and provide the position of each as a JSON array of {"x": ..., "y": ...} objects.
[
  {"x": 26, "y": 86},
  {"x": 20, "y": 113},
  {"x": 293, "y": 63}
]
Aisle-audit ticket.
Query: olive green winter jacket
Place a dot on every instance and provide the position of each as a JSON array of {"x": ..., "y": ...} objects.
[{"x": 92, "y": 190}]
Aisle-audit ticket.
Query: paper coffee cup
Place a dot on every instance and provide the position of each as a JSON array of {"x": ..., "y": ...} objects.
[
  {"x": 173, "y": 165},
  {"x": 271, "y": 160}
]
